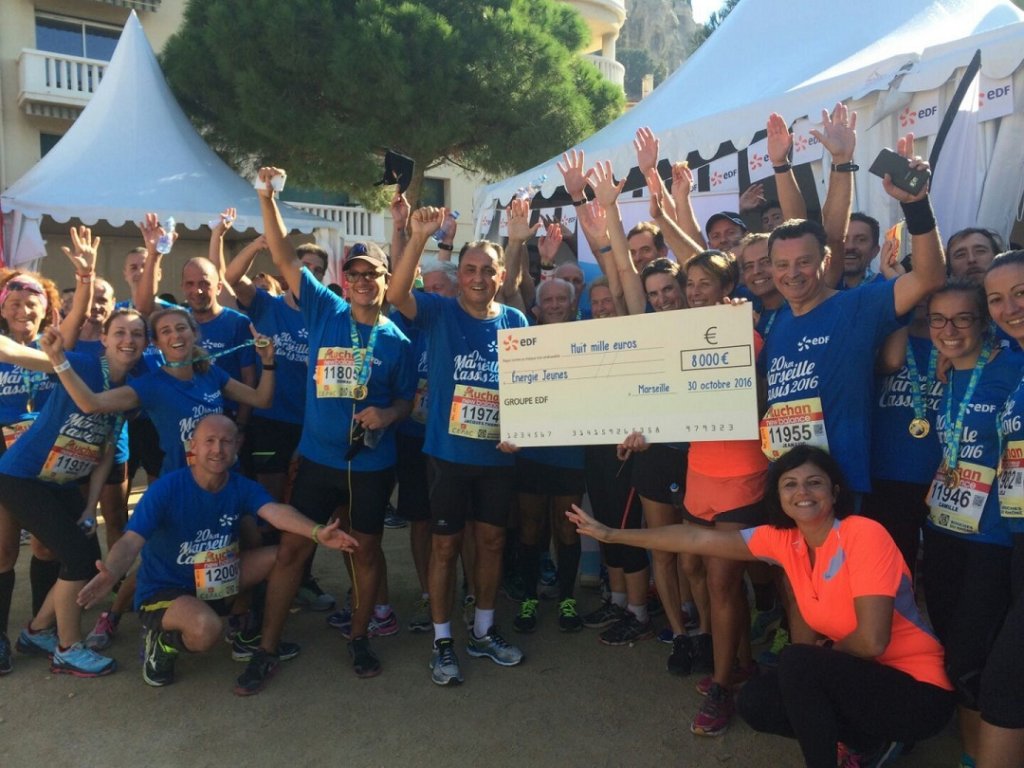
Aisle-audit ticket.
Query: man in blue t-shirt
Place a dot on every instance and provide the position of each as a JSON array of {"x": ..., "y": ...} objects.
[
  {"x": 187, "y": 528},
  {"x": 471, "y": 479}
]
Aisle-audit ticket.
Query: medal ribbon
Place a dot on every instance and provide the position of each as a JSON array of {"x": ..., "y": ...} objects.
[
  {"x": 951, "y": 449},
  {"x": 360, "y": 356},
  {"x": 212, "y": 355},
  {"x": 119, "y": 419},
  {"x": 917, "y": 388}
]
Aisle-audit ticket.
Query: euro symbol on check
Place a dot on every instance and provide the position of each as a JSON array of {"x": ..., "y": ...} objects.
[{"x": 711, "y": 335}]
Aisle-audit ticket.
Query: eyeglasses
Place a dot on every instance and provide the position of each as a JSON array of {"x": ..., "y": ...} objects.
[
  {"x": 962, "y": 322},
  {"x": 354, "y": 277}
]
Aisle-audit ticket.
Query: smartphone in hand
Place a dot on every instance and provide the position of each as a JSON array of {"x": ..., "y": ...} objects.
[{"x": 911, "y": 180}]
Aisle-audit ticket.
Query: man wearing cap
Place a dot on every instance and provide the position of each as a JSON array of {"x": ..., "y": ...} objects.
[
  {"x": 362, "y": 383},
  {"x": 724, "y": 230}
]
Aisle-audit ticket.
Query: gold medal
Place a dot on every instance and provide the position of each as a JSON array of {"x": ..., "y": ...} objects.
[
  {"x": 359, "y": 392},
  {"x": 951, "y": 478},
  {"x": 262, "y": 343},
  {"x": 919, "y": 428}
]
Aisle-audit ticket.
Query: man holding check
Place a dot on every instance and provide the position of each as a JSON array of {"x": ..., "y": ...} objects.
[{"x": 469, "y": 478}]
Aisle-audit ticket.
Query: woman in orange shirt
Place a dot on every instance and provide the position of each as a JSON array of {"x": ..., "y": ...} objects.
[{"x": 873, "y": 676}]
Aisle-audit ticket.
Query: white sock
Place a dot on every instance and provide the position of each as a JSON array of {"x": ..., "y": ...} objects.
[
  {"x": 482, "y": 622},
  {"x": 425, "y": 596},
  {"x": 443, "y": 631},
  {"x": 619, "y": 599},
  {"x": 381, "y": 611},
  {"x": 640, "y": 611}
]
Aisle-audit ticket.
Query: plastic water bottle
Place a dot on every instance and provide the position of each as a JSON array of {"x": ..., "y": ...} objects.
[
  {"x": 214, "y": 223},
  {"x": 531, "y": 189},
  {"x": 166, "y": 241},
  {"x": 439, "y": 235}
]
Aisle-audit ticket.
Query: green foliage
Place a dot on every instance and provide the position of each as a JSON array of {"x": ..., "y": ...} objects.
[
  {"x": 322, "y": 87},
  {"x": 714, "y": 22},
  {"x": 638, "y": 62}
]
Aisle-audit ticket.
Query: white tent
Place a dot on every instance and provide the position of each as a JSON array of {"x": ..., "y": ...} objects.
[
  {"x": 131, "y": 151},
  {"x": 896, "y": 63}
]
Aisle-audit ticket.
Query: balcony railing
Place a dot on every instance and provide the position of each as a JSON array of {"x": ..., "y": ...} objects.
[
  {"x": 55, "y": 84},
  {"x": 354, "y": 223},
  {"x": 610, "y": 69}
]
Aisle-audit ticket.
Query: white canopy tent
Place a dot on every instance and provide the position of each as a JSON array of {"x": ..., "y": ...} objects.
[
  {"x": 131, "y": 151},
  {"x": 897, "y": 64}
]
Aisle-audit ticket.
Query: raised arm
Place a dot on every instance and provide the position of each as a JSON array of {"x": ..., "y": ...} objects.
[
  {"x": 780, "y": 144},
  {"x": 236, "y": 273},
  {"x": 262, "y": 395},
  {"x": 839, "y": 136},
  {"x": 680, "y": 243},
  {"x": 399, "y": 226},
  {"x": 274, "y": 230},
  {"x": 927, "y": 259},
  {"x": 594, "y": 222},
  {"x": 519, "y": 231},
  {"x": 424, "y": 222},
  {"x": 607, "y": 192},
  {"x": 114, "y": 400},
  {"x": 215, "y": 253},
  {"x": 82, "y": 256},
  {"x": 148, "y": 286}
]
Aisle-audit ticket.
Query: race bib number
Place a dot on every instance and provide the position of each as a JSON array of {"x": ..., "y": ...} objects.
[
  {"x": 474, "y": 413},
  {"x": 787, "y": 425},
  {"x": 217, "y": 573},
  {"x": 335, "y": 374},
  {"x": 1011, "y": 481},
  {"x": 419, "y": 403},
  {"x": 958, "y": 506},
  {"x": 13, "y": 431},
  {"x": 69, "y": 459}
]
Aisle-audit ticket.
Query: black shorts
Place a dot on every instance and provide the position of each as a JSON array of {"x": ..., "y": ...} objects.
[
  {"x": 461, "y": 492},
  {"x": 144, "y": 447},
  {"x": 411, "y": 469},
  {"x": 151, "y": 612},
  {"x": 319, "y": 490},
  {"x": 537, "y": 479},
  {"x": 1003, "y": 678},
  {"x": 269, "y": 446},
  {"x": 118, "y": 474},
  {"x": 657, "y": 469}
]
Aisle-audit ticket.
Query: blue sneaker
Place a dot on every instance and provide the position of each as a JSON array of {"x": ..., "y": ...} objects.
[
  {"x": 494, "y": 647},
  {"x": 763, "y": 624},
  {"x": 81, "y": 662},
  {"x": 41, "y": 643}
]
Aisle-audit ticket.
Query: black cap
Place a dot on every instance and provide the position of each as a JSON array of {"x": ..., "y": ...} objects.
[{"x": 397, "y": 170}]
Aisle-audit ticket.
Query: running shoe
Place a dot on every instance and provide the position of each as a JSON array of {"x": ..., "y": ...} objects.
[
  {"x": 392, "y": 519},
  {"x": 339, "y": 618},
  {"x": 494, "y": 647},
  {"x": 886, "y": 754},
  {"x": 770, "y": 657},
  {"x": 260, "y": 669},
  {"x": 763, "y": 624},
  {"x": 102, "y": 635},
  {"x": 444, "y": 664},
  {"x": 666, "y": 636},
  {"x": 158, "y": 668},
  {"x": 81, "y": 662},
  {"x": 421, "y": 620},
  {"x": 603, "y": 616},
  {"x": 469, "y": 611},
  {"x": 715, "y": 712},
  {"x": 512, "y": 587},
  {"x": 5, "y": 655},
  {"x": 25, "y": 538},
  {"x": 41, "y": 643},
  {"x": 526, "y": 620},
  {"x": 243, "y": 648},
  {"x": 680, "y": 661},
  {"x": 737, "y": 679},
  {"x": 568, "y": 617},
  {"x": 377, "y": 627},
  {"x": 364, "y": 661},
  {"x": 311, "y": 597},
  {"x": 626, "y": 631}
]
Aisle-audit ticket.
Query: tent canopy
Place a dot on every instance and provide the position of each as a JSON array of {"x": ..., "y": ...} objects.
[
  {"x": 133, "y": 150},
  {"x": 797, "y": 61}
]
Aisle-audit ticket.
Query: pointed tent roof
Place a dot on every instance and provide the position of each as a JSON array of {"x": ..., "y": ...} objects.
[
  {"x": 796, "y": 59},
  {"x": 133, "y": 150}
]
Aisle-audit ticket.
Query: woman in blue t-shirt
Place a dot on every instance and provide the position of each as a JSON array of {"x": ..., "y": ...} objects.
[{"x": 182, "y": 390}]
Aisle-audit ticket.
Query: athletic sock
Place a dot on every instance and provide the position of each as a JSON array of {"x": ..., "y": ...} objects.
[
  {"x": 568, "y": 566},
  {"x": 619, "y": 599},
  {"x": 42, "y": 574},
  {"x": 482, "y": 621},
  {"x": 443, "y": 631},
  {"x": 640, "y": 611}
]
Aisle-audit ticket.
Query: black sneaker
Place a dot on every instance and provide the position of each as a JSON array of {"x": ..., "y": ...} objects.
[
  {"x": 568, "y": 618},
  {"x": 260, "y": 669},
  {"x": 703, "y": 654},
  {"x": 526, "y": 620},
  {"x": 364, "y": 661},
  {"x": 158, "y": 669},
  {"x": 244, "y": 647},
  {"x": 5, "y": 655},
  {"x": 680, "y": 662},
  {"x": 626, "y": 630},
  {"x": 604, "y": 616}
]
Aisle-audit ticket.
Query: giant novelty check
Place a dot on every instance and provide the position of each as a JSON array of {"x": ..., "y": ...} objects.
[{"x": 678, "y": 376}]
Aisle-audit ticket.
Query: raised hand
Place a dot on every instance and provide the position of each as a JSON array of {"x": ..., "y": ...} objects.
[
  {"x": 574, "y": 179},
  {"x": 266, "y": 175},
  {"x": 594, "y": 220},
  {"x": 602, "y": 181},
  {"x": 780, "y": 140},
  {"x": 838, "y": 133},
  {"x": 152, "y": 231},
  {"x": 82, "y": 254},
  {"x": 427, "y": 220},
  {"x": 519, "y": 221},
  {"x": 399, "y": 209},
  {"x": 647, "y": 148},
  {"x": 225, "y": 221},
  {"x": 52, "y": 344},
  {"x": 905, "y": 148},
  {"x": 264, "y": 346},
  {"x": 752, "y": 198},
  {"x": 549, "y": 245}
]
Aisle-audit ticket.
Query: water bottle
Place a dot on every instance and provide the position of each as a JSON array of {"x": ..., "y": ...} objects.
[
  {"x": 166, "y": 241},
  {"x": 676, "y": 495},
  {"x": 214, "y": 223},
  {"x": 439, "y": 235},
  {"x": 527, "y": 192}
]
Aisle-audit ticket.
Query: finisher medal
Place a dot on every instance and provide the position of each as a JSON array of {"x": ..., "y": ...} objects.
[
  {"x": 951, "y": 478},
  {"x": 359, "y": 392},
  {"x": 262, "y": 343},
  {"x": 919, "y": 428}
]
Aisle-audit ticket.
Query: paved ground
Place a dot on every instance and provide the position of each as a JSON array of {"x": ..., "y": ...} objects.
[{"x": 573, "y": 702}]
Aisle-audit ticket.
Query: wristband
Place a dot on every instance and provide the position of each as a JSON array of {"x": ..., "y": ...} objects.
[
  {"x": 62, "y": 367},
  {"x": 316, "y": 530},
  {"x": 845, "y": 167},
  {"x": 84, "y": 278},
  {"x": 784, "y": 168},
  {"x": 578, "y": 203},
  {"x": 269, "y": 366},
  {"x": 445, "y": 247},
  {"x": 919, "y": 216},
  {"x": 605, "y": 249}
]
